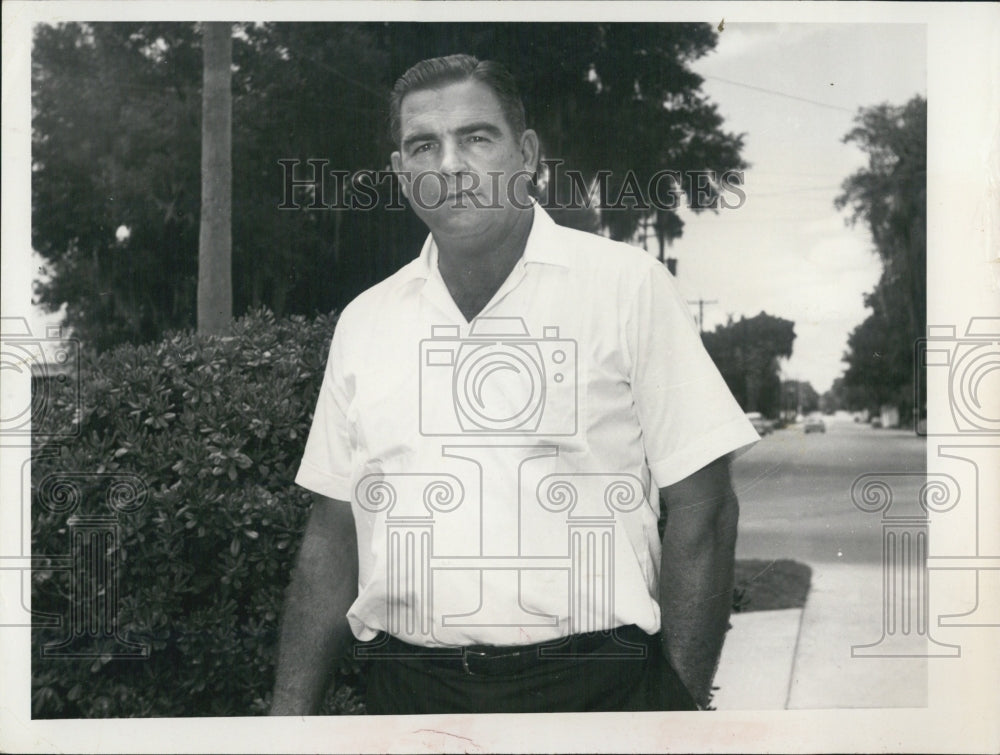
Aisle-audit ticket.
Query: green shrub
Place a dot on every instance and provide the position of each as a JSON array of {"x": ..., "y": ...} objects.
[{"x": 213, "y": 429}]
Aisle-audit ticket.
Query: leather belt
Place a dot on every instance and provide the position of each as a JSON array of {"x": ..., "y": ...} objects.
[{"x": 494, "y": 660}]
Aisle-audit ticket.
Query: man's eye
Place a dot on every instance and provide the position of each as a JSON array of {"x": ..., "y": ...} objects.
[
  {"x": 475, "y": 139},
  {"x": 423, "y": 148}
]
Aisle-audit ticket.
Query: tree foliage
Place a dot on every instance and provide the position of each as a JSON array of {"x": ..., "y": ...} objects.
[
  {"x": 880, "y": 354},
  {"x": 116, "y": 142},
  {"x": 889, "y": 196},
  {"x": 798, "y": 397},
  {"x": 838, "y": 398},
  {"x": 746, "y": 352}
]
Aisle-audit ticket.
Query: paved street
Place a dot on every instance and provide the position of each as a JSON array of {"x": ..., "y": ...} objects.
[{"x": 795, "y": 491}]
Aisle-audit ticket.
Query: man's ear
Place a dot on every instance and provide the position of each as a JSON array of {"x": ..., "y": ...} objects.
[
  {"x": 529, "y": 150},
  {"x": 397, "y": 168}
]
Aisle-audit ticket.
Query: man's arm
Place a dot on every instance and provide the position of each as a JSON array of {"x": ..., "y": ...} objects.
[
  {"x": 696, "y": 573},
  {"x": 314, "y": 632}
]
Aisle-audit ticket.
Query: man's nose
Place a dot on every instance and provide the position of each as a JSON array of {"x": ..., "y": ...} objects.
[{"x": 452, "y": 157}]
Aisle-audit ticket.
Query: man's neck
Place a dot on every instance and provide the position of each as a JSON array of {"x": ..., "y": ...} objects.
[{"x": 474, "y": 269}]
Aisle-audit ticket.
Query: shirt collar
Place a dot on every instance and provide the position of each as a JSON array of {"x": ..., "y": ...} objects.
[{"x": 543, "y": 247}]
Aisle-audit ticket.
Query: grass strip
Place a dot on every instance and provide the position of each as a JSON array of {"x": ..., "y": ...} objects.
[{"x": 770, "y": 585}]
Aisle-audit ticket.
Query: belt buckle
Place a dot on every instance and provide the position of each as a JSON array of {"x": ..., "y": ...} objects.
[{"x": 466, "y": 652}]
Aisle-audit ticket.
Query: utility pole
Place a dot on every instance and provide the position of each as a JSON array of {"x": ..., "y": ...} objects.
[
  {"x": 701, "y": 311},
  {"x": 215, "y": 235}
]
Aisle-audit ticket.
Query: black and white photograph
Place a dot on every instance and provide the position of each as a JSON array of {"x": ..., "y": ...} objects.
[{"x": 500, "y": 377}]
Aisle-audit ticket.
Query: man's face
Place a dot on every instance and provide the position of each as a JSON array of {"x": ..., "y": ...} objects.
[{"x": 459, "y": 162}]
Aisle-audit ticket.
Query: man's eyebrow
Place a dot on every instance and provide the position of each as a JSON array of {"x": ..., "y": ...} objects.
[
  {"x": 469, "y": 128},
  {"x": 418, "y": 137},
  {"x": 486, "y": 126}
]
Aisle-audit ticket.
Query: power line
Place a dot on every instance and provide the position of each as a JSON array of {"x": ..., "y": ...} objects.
[
  {"x": 781, "y": 94},
  {"x": 796, "y": 190}
]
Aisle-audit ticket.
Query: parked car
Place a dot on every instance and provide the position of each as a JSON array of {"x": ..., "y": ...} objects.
[
  {"x": 760, "y": 424},
  {"x": 814, "y": 425}
]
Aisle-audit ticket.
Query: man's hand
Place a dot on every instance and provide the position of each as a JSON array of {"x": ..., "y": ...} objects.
[
  {"x": 696, "y": 573},
  {"x": 314, "y": 629}
]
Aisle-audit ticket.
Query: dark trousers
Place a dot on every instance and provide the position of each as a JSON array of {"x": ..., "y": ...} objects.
[{"x": 624, "y": 671}]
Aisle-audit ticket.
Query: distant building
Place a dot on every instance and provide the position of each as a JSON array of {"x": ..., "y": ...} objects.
[{"x": 889, "y": 415}]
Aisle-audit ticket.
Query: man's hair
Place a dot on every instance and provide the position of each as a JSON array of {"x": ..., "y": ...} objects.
[{"x": 453, "y": 69}]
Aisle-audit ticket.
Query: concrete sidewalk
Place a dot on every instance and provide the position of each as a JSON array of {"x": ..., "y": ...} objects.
[
  {"x": 757, "y": 660},
  {"x": 802, "y": 658}
]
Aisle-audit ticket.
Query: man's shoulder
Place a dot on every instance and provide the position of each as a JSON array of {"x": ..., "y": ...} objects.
[
  {"x": 385, "y": 296},
  {"x": 603, "y": 256}
]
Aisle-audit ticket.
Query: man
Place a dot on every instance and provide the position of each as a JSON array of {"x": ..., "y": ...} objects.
[{"x": 495, "y": 423}]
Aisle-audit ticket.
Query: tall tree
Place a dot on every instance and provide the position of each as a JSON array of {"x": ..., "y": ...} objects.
[
  {"x": 889, "y": 196},
  {"x": 215, "y": 239},
  {"x": 836, "y": 398},
  {"x": 747, "y": 353},
  {"x": 880, "y": 354},
  {"x": 115, "y": 176}
]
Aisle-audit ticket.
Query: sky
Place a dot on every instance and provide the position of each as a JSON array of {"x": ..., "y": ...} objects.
[{"x": 787, "y": 250}]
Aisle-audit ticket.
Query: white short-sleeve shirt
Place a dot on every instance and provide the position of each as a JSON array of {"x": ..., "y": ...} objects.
[{"x": 504, "y": 473}]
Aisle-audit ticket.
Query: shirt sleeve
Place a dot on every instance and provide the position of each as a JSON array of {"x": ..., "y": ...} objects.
[
  {"x": 326, "y": 461},
  {"x": 688, "y": 416}
]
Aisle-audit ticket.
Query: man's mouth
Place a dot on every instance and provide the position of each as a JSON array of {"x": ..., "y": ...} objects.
[{"x": 467, "y": 194}]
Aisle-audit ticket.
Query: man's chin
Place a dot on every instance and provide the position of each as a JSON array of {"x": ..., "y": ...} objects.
[{"x": 457, "y": 229}]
